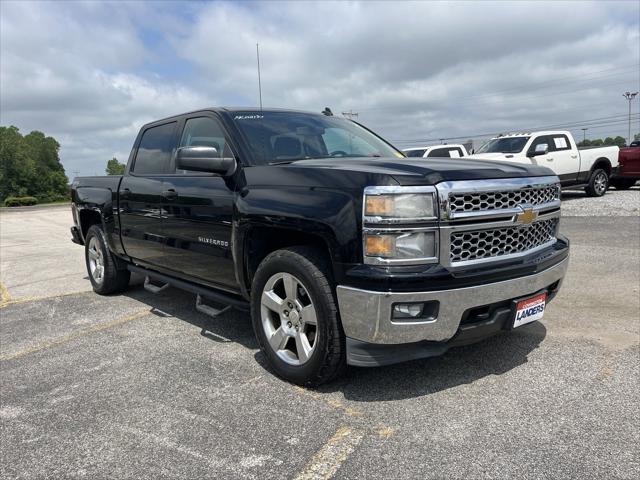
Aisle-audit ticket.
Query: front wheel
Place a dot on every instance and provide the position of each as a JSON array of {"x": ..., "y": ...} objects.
[
  {"x": 295, "y": 318},
  {"x": 102, "y": 268},
  {"x": 598, "y": 183}
]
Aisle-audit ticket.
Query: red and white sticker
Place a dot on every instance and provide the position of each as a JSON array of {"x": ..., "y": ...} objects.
[{"x": 530, "y": 310}]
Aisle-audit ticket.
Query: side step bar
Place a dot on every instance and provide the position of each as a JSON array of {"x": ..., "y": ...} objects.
[
  {"x": 208, "y": 309},
  {"x": 153, "y": 288},
  {"x": 217, "y": 296}
]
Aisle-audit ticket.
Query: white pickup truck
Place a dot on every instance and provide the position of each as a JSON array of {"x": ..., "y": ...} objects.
[
  {"x": 589, "y": 167},
  {"x": 440, "y": 151}
]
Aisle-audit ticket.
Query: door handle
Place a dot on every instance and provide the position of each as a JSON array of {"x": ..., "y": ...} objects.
[
  {"x": 574, "y": 156},
  {"x": 170, "y": 194},
  {"x": 125, "y": 193},
  {"x": 550, "y": 159}
]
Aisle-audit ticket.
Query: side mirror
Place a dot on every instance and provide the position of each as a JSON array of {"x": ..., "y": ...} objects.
[
  {"x": 541, "y": 149},
  {"x": 204, "y": 159}
]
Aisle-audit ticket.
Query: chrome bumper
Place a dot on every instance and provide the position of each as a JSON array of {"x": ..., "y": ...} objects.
[{"x": 366, "y": 315}]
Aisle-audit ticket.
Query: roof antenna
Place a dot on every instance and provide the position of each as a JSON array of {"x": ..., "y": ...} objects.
[{"x": 259, "y": 82}]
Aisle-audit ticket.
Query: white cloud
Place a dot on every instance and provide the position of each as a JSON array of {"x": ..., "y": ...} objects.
[{"x": 92, "y": 73}]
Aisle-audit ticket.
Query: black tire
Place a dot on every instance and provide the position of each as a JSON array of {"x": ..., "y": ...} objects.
[
  {"x": 596, "y": 187},
  {"x": 113, "y": 279},
  {"x": 623, "y": 183},
  {"x": 328, "y": 358}
]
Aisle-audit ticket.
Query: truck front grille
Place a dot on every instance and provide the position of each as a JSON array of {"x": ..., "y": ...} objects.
[
  {"x": 462, "y": 202},
  {"x": 496, "y": 242},
  {"x": 496, "y": 220}
]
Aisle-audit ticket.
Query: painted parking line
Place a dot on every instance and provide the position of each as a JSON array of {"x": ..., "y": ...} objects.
[
  {"x": 9, "y": 301},
  {"x": 5, "y": 298},
  {"x": 326, "y": 461},
  {"x": 72, "y": 336}
]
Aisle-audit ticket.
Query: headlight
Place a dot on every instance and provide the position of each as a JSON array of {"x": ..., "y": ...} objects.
[
  {"x": 400, "y": 247},
  {"x": 400, "y": 225},
  {"x": 383, "y": 207}
]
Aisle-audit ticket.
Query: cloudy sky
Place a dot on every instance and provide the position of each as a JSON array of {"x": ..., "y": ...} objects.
[{"x": 91, "y": 73}]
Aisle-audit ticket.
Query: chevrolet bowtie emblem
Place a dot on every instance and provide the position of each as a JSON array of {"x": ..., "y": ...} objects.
[{"x": 527, "y": 216}]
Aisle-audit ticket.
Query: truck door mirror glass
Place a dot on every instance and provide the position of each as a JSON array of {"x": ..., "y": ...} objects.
[
  {"x": 540, "y": 149},
  {"x": 204, "y": 159}
]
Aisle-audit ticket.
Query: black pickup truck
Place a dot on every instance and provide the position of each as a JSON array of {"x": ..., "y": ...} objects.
[{"x": 343, "y": 250}]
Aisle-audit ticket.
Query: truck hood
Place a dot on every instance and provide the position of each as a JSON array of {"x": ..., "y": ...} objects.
[{"x": 421, "y": 171}]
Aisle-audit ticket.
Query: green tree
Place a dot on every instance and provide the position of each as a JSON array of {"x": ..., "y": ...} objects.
[
  {"x": 114, "y": 167},
  {"x": 30, "y": 165},
  {"x": 619, "y": 141}
]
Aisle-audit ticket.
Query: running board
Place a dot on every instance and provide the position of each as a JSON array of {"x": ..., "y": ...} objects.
[
  {"x": 154, "y": 288},
  {"x": 212, "y": 294},
  {"x": 208, "y": 309}
]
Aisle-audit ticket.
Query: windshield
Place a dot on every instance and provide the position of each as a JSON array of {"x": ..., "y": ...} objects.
[
  {"x": 282, "y": 137},
  {"x": 415, "y": 153},
  {"x": 504, "y": 145}
]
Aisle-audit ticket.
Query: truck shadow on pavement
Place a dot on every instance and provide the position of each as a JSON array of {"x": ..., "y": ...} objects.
[{"x": 459, "y": 366}]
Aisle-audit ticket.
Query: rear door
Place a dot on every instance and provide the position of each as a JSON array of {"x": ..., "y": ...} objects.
[
  {"x": 564, "y": 159},
  {"x": 140, "y": 194},
  {"x": 198, "y": 211}
]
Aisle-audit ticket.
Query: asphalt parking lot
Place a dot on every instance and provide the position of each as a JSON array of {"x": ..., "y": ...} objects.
[{"x": 144, "y": 386}]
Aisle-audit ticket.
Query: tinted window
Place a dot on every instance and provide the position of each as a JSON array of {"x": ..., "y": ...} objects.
[
  {"x": 439, "y": 152},
  {"x": 204, "y": 132},
  {"x": 288, "y": 136},
  {"x": 540, "y": 141},
  {"x": 504, "y": 145},
  {"x": 154, "y": 151},
  {"x": 414, "y": 153}
]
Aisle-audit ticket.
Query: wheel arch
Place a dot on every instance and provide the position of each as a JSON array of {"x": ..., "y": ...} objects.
[
  {"x": 260, "y": 241},
  {"x": 601, "y": 163}
]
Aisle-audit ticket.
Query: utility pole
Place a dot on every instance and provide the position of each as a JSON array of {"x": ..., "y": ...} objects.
[
  {"x": 350, "y": 114},
  {"x": 259, "y": 82},
  {"x": 584, "y": 134},
  {"x": 629, "y": 96}
]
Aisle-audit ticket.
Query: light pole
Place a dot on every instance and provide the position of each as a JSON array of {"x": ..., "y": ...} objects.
[
  {"x": 584, "y": 134},
  {"x": 629, "y": 96}
]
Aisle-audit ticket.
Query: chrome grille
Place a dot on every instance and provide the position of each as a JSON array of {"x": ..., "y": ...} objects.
[
  {"x": 460, "y": 202},
  {"x": 496, "y": 242}
]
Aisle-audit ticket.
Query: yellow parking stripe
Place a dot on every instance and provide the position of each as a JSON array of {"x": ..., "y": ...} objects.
[
  {"x": 72, "y": 336},
  {"x": 9, "y": 301},
  {"x": 326, "y": 462},
  {"x": 5, "y": 298}
]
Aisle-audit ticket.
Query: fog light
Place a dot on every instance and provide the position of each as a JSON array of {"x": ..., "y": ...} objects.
[{"x": 407, "y": 310}]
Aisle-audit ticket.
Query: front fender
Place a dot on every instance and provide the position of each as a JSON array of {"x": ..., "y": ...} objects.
[{"x": 334, "y": 216}]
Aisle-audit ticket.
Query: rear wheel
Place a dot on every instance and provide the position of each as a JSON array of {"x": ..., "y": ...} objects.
[
  {"x": 102, "y": 268},
  {"x": 598, "y": 183},
  {"x": 295, "y": 318},
  {"x": 623, "y": 183}
]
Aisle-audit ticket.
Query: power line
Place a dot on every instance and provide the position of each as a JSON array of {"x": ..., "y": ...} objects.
[
  {"x": 567, "y": 125},
  {"x": 491, "y": 134}
]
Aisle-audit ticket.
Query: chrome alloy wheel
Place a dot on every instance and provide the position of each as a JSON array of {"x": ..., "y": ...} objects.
[
  {"x": 600, "y": 183},
  {"x": 96, "y": 260},
  {"x": 289, "y": 318}
]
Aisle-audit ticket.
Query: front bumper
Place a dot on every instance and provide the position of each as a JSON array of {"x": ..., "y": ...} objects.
[{"x": 367, "y": 315}]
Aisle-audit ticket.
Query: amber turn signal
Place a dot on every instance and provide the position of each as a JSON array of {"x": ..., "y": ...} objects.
[
  {"x": 379, "y": 205},
  {"x": 379, "y": 245}
]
